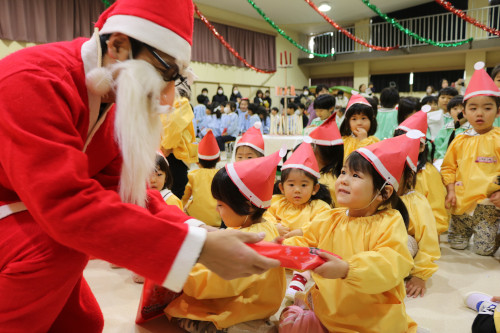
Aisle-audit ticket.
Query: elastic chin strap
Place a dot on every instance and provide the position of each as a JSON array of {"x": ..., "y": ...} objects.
[{"x": 374, "y": 197}]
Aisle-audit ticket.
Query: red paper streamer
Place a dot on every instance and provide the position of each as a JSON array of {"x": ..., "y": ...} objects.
[
  {"x": 223, "y": 41},
  {"x": 449, "y": 7},
  {"x": 348, "y": 34}
]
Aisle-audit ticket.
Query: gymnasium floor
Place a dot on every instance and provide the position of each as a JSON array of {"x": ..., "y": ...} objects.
[{"x": 441, "y": 310}]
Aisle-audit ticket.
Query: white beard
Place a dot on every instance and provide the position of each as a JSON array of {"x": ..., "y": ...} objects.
[{"x": 137, "y": 126}]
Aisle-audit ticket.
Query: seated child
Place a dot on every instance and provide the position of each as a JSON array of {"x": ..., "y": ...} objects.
[
  {"x": 161, "y": 180},
  {"x": 253, "y": 113},
  {"x": 212, "y": 121},
  {"x": 387, "y": 115},
  {"x": 301, "y": 111},
  {"x": 229, "y": 126},
  {"x": 430, "y": 100},
  {"x": 437, "y": 119},
  {"x": 323, "y": 107},
  {"x": 429, "y": 181},
  {"x": 471, "y": 162},
  {"x": 452, "y": 128},
  {"x": 364, "y": 291},
  {"x": 329, "y": 152},
  {"x": 251, "y": 144},
  {"x": 243, "y": 191},
  {"x": 197, "y": 198},
  {"x": 488, "y": 317},
  {"x": 359, "y": 125},
  {"x": 199, "y": 112},
  {"x": 407, "y": 106}
]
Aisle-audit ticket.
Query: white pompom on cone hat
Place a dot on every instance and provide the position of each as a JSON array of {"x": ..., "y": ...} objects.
[
  {"x": 417, "y": 121},
  {"x": 253, "y": 138},
  {"x": 356, "y": 98},
  {"x": 389, "y": 156},
  {"x": 412, "y": 143},
  {"x": 327, "y": 134},
  {"x": 208, "y": 149},
  {"x": 303, "y": 158},
  {"x": 481, "y": 84},
  {"x": 255, "y": 177},
  {"x": 166, "y": 25}
]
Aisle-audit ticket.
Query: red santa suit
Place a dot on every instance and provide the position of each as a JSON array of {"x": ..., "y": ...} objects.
[{"x": 67, "y": 175}]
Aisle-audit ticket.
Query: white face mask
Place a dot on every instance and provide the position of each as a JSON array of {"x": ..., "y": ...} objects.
[
  {"x": 235, "y": 91},
  {"x": 429, "y": 91},
  {"x": 306, "y": 93},
  {"x": 219, "y": 91},
  {"x": 204, "y": 94},
  {"x": 227, "y": 109}
]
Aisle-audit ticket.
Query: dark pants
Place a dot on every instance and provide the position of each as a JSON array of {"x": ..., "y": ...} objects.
[
  {"x": 484, "y": 323},
  {"x": 221, "y": 140},
  {"x": 179, "y": 173}
]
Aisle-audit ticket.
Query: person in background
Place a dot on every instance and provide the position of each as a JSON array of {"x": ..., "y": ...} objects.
[
  {"x": 407, "y": 107},
  {"x": 301, "y": 109},
  {"x": 443, "y": 83},
  {"x": 341, "y": 100},
  {"x": 438, "y": 119},
  {"x": 267, "y": 98},
  {"x": 244, "y": 117},
  {"x": 387, "y": 116},
  {"x": 362, "y": 88},
  {"x": 235, "y": 95},
  {"x": 259, "y": 98},
  {"x": 432, "y": 101},
  {"x": 321, "y": 89},
  {"x": 229, "y": 127},
  {"x": 253, "y": 113},
  {"x": 430, "y": 91},
  {"x": 219, "y": 97},
  {"x": 199, "y": 111},
  {"x": 265, "y": 120},
  {"x": 305, "y": 97},
  {"x": 373, "y": 100},
  {"x": 495, "y": 75},
  {"x": 251, "y": 144},
  {"x": 204, "y": 96},
  {"x": 323, "y": 108}
]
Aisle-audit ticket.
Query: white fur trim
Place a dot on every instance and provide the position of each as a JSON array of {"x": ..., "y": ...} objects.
[
  {"x": 308, "y": 139},
  {"x": 414, "y": 134},
  {"x": 302, "y": 167},
  {"x": 404, "y": 128},
  {"x": 410, "y": 163},
  {"x": 260, "y": 150},
  {"x": 186, "y": 258},
  {"x": 380, "y": 167},
  {"x": 244, "y": 189},
  {"x": 152, "y": 34},
  {"x": 483, "y": 93},
  {"x": 426, "y": 108},
  {"x": 328, "y": 143},
  {"x": 194, "y": 223},
  {"x": 209, "y": 158},
  {"x": 12, "y": 208}
]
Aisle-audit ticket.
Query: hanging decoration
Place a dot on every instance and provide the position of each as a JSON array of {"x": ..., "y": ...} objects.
[
  {"x": 223, "y": 41},
  {"x": 106, "y": 3},
  {"x": 347, "y": 33},
  {"x": 396, "y": 24},
  {"x": 449, "y": 7},
  {"x": 282, "y": 33}
]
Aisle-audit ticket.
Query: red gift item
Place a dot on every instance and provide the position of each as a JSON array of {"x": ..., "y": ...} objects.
[
  {"x": 154, "y": 299},
  {"x": 293, "y": 257}
]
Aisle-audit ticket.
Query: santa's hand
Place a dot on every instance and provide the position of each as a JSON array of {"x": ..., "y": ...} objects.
[{"x": 226, "y": 254}]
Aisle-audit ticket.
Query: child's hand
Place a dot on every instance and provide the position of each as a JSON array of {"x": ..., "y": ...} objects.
[
  {"x": 451, "y": 200},
  {"x": 360, "y": 133},
  {"x": 278, "y": 240},
  {"x": 415, "y": 286},
  {"x": 209, "y": 228},
  {"x": 495, "y": 199},
  {"x": 333, "y": 268},
  {"x": 296, "y": 232},
  {"x": 282, "y": 229}
]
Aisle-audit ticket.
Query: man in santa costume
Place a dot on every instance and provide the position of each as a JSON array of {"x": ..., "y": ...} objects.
[{"x": 78, "y": 134}]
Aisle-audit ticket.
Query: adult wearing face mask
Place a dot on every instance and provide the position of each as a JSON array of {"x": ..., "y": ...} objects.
[
  {"x": 219, "y": 98},
  {"x": 203, "y": 97},
  {"x": 235, "y": 95}
]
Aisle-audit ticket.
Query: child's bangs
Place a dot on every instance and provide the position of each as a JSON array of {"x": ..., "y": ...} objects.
[
  {"x": 286, "y": 172},
  {"x": 356, "y": 162}
]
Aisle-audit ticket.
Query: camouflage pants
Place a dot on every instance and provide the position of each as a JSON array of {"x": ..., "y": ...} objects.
[{"x": 483, "y": 224}]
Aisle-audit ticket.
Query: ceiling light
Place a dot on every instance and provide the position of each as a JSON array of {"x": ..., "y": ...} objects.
[{"x": 324, "y": 7}]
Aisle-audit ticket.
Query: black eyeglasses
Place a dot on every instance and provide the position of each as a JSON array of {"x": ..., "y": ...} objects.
[{"x": 170, "y": 73}]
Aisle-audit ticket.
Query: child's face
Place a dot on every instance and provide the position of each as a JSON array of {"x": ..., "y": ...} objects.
[
  {"x": 245, "y": 153},
  {"x": 480, "y": 112},
  {"x": 229, "y": 216},
  {"x": 290, "y": 111},
  {"x": 359, "y": 121},
  {"x": 157, "y": 180},
  {"x": 274, "y": 112},
  {"x": 497, "y": 80},
  {"x": 443, "y": 101},
  {"x": 354, "y": 189},
  {"x": 454, "y": 111},
  {"x": 433, "y": 105},
  {"x": 298, "y": 188},
  {"x": 244, "y": 106},
  {"x": 323, "y": 114},
  {"x": 208, "y": 112}
]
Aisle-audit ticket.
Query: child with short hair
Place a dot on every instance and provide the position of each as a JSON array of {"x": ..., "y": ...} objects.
[
  {"x": 244, "y": 118},
  {"x": 301, "y": 109},
  {"x": 364, "y": 291},
  {"x": 212, "y": 121},
  {"x": 162, "y": 181},
  {"x": 387, "y": 115},
  {"x": 329, "y": 152},
  {"x": 253, "y": 113},
  {"x": 197, "y": 199},
  {"x": 199, "y": 112},
  {"x": 243, "y": 191},
  {"x": 438, "y": 119},
  {"x": 359, "y": 125},
  {"x": 471, "y": 162},
  {"x": 251, "y": 144},
  {"x": 323, "y": 107},
  {"x": 432, "y": 101},
  {"x": 229, "y": 125},
  {"x": 407, "y": 106}
]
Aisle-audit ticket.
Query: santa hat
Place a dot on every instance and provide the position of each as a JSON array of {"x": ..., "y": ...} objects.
[
  {"x": 356, "y": 98},
  {"x": 303, "y": 158},
  {"x": 389, "y": 156},
  {"x": 327, "y": 134},
  {"x": 481, "y": 83},
  {"x": 255, "y": 177},
  {"x": 166, "y": 25},
  {"x": 253, "y": 138},
  {"x": 417, "y": 121},
  {"x": 208, "y": 149}
]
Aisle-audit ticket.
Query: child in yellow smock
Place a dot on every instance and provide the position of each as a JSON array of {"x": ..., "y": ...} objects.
[
  {"x": 364, "y": 291},
  {"x": 359, "y": 125},
  {"x": 161, "y": 180},
  {"x": 329, "y": 151},
  {"x": 243, "y": 191},
  {"x": 470, "y": 164},
  {"x": 251, "y": 144},
  {"x": 197, "y": 199}
]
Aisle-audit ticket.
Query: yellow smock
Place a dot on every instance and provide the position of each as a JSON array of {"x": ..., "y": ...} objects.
[
  {"x": 351, "y": 143},
  {"x": 294, "y": 216},
  {"x": 178, "y": 132},
  {"x": 208, "y": 297},
  {"x": 171, "y": 199},
  {"x": 203, "y": 205},
  {"x": 329, "y": 180},
  {"x": 430, "y": 184},
  {"x": 471, "y": 162},
  {"x": 422, "y": 227},
  {"x": 496, "y": 318},
  {"x": 371, "y": 297}
]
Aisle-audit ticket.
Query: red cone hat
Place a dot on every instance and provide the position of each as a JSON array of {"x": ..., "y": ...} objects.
[
  {"x": 356, "y": 98},
  {"x": 481, "y": 83},
  {"x": 327, "y": 134},
  {"x": 303, "y": 158},
  {"x": 208, "y": 149},
  {"x": 253, "y": 138}
]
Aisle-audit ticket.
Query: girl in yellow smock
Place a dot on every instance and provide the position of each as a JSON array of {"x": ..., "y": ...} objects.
[
  {"x": 162, "y": 180},
  {"x": 364, "y": 291},
  {"x": 243, "y": 191},
  {"x": 359, "y": 125}
]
